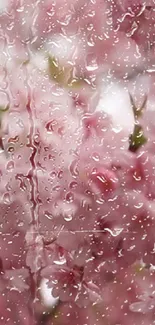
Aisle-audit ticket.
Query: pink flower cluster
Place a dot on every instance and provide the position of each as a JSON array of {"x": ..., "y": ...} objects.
[{"x": 77, "y": 192}]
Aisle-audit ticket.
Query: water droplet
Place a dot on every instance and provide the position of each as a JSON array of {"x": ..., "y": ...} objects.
[
  {"x": 51, "y": 126},
  {"x": 11, "y": 149},
  {"x": 69, "y": 197},
  {"x": 133, "y": 29},
  {"x": 137, "y": 177},
  {"x": 91, "y": 13},
  {"x": 68, "y": 217},
  {"x": 56, "y": 188},
  {"x": 73, "y": 185},
  {"x": 73, "y": 169},
  {"x": 90, "y": 27},
  {"x": 109, "y": 21},
  {"x": 139, "y": 205},
  {"x": 90, "y": 41},
  {"x": 48, "y": 215},
  {"x": 53, "y": 174},
  {"x": 91, "y": 64},
  {"x": 22, "y": 182},
  {"x": 36, "y": 140},
  {"x": 61, "y": 261},
  {"x": 96, "y": 157},
  {"x": 10, "y": 166},
  {"x": 117, "y": 129},
  {"x": 6, "y": 198},
  {"x": 60, "y": 174},
  {"x": 61, "y": 258},
  {"x": 115, "y": 232},
  {"x": 20, "y": 224},
  {"x": 82, "y": 217}
]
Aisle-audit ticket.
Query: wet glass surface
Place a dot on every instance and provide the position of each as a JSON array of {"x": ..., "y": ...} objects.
[{"x": 77, "y": 162}]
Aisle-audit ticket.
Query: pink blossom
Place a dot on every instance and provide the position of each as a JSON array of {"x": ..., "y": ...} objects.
[{"x": 77, "y": 189}]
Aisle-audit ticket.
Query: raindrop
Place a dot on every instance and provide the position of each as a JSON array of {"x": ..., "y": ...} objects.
[
  {"x": 92, "y": 67},
  {"x": 61, "y": 261},
  {"x": 11, "y": 149},
  {"x": 11, "y": 26},
  {"x": 55, "y": 188},
  {"x": 139, "y": 205},
  {"x": 51, "y": 126},
  {"x": 68, "y": 217},
  {"x": 21, "y": 179},
  {"x": 137, "y": 177},
  {"x": 117, "y": 129},
  {"x": 53, "y": 174},
  {"x": 96, "y": 157},
  {"x": 90, "y": 27},
  {"x": 134, "y": 27},
  {"x": 82, "y": 217},
  {"x": 48, "y": 215},
  {"x": 21, "y": 224},
  {"x": 109, "y": 21},
  {"x": 73, "y": 168},
  {"x": 65, "y": 21},
  {"x": 10, "y": 166},
  {"x": 91, "y": 13},
  {"x": 73, "y": 185},
  {"x": 60, "y": 174},
  {"x": 69, "y": 197},
  {"x": 36, "y": 140},
  {"x": 6, "y": 198},
  {"x": 115, "y": 232},
  {"x": 20, "y": 9},
  {"x": 91, "y": 42}
]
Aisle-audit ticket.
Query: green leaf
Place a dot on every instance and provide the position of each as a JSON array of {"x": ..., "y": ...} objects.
[
  {"x": 138, "y": 267},
  {"x": 26, "y": 62},
  {"x": 63, "y": 75},
  {"x": 137, "y": 139},
  {"x": 56, "y": 73},
  {"x": 138, "y": 111},
  {"x": 75, "y": 83},
  {"x": 2, "y": 111}
]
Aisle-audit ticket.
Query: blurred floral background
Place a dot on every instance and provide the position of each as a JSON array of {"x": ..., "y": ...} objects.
[{"x": 77, "y": 162}]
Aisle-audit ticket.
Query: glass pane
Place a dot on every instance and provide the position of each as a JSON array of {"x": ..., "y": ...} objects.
[{"x": 77, "y": 162}]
